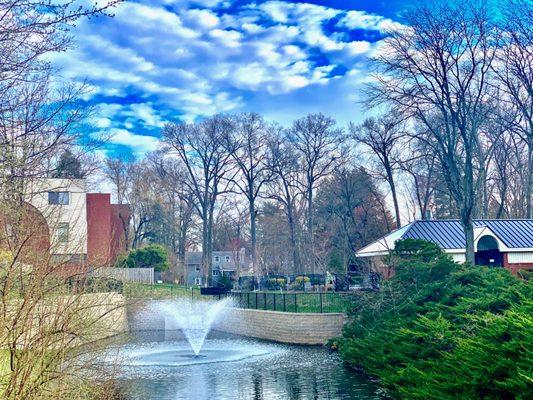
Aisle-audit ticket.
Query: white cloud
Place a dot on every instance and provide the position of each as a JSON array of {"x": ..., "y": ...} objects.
[
  {"x": 202, "y": 18},
  {"x": 188, "y": 59},
  {"x": 361, "y": 20},
  {"x": 139, "y": 143}
]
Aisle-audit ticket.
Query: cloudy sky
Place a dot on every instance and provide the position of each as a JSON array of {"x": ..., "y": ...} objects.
[{"x": 166, "y": 60}]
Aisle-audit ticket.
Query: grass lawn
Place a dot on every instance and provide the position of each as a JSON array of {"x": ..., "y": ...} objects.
[
  {"x": 158, "y": 291},
  {"x": 302, "y": 302}
]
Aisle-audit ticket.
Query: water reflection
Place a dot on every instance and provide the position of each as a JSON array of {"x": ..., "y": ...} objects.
[{"x": 285, "y": 372}]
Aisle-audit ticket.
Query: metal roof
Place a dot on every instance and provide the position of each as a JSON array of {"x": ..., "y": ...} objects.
[{"x": 449, "y": 234}]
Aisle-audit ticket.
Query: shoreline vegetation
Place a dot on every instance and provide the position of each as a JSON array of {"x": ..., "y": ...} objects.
[{"x": 442, "y": 330}]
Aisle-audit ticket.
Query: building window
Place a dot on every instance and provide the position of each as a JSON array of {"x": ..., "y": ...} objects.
[
  {"x": 215, "y": 272},
  {"x": 227, "y": 258},
  {"x": 58, "y": 198},
  {"x": 198, "y": 281},
  {"x": 62, "y": 232},
  {"x": 217, "y": 258}
]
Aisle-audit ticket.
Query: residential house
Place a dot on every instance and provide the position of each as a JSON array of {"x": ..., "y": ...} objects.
[{"x": 225, "y": 263}]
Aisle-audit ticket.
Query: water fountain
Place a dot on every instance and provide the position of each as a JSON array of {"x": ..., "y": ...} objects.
[{"x": 194, "y": 318}]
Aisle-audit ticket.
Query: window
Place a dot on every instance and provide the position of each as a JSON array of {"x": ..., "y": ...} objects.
[
  {"x": 198, "y": 281},
  {"x": 215, "y": 272},
  {"x": 217, "y": 258},
  {"x": 62, "y": 232},
  {"x": 58, "y": 198},
  {"x": 227, "y": 258}
]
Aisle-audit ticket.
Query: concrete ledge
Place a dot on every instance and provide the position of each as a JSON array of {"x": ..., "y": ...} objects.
[{"x": 283, "y": 327}]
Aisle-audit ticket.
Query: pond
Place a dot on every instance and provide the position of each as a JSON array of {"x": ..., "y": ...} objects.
[{"x": 161, "y": 365}]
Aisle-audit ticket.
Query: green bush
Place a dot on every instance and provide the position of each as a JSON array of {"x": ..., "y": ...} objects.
[
  {"x": 151, "y": 256},
  {"x": 441, "y": 330}
]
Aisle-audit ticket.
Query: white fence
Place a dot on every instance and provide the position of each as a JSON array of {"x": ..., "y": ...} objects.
[{"x": 139, "y": 275}]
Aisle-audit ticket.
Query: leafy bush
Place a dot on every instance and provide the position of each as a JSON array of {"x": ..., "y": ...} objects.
[
  {"x": 151, "y": 256},
  {"x": 103, "y": 284},
  {"x": 441, "y": 330},
  {"x": 275, "y": 283}
]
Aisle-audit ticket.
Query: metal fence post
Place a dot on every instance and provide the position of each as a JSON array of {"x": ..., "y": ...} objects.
[
  {"x": 275, "y": 294},
  {"x": 284, "y": 305},
  {"x": 321, "y": 307},
  {"x": 256, "y": 303},
  {"x": 248, "y": 300},
  {"x": 295, "y": 303},
  {"x": 265, "y": 300}
]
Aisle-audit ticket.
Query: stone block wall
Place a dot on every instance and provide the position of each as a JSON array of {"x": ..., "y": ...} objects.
[{"x": 284, "y": 327}]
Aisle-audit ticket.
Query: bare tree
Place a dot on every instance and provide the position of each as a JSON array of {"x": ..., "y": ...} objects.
[
  {"x": 515, "y": 72},
  {"x": 285, "y": 188},
  {"x": 171, "y": 175},
  {"x": 247, "y": 144},
  {"x": 319, "y": 148},
  {"x": 437, "y": 71},
  {"x": 382, "y": 136},
  {"x": 119, "y": 171},
  {"x": 201, "y": 149},
  {"x": 422, "y": 173}
]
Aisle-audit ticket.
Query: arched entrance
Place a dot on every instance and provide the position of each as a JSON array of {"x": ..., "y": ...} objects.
[{"x": 488, "y": 252}]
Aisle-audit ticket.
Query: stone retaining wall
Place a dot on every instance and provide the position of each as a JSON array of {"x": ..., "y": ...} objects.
[{"x": 284, "y": 327}]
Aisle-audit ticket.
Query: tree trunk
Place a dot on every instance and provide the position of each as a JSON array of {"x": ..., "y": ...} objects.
[
  {"x": 210, "y": 245},
  {"x": 253, "y": 236},
  {"x": 529, "y": 187},
  {"x": 294, "y": 242},
  {"x": 205, "y": 239},
  {"x": 468, "y": 208},
  {"x": 392, "y": 185},
  {"x": 469, "y": 236},
  {"x": 310, "y": 226}
]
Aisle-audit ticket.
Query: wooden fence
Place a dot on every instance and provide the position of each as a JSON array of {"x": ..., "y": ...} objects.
[{"x": 139, "y": 275}]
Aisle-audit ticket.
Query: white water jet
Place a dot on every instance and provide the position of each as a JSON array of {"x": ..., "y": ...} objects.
[{"x": 194, "y": 318}]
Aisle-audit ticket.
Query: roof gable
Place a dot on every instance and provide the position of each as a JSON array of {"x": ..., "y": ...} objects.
[{"x": 449, "y": 234}]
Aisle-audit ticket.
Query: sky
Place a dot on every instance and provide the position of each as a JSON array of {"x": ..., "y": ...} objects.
[{"x": 180, "y": 60}]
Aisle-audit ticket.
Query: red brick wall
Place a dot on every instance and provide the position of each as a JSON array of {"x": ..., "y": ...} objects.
[
  {"x": 514, "y": 268},
  {"x": 120, "y": 217},
  {"x": 98, "y": 228}
]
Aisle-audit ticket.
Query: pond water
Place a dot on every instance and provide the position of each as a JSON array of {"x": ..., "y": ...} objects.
[{"x": 162, "y": 366}]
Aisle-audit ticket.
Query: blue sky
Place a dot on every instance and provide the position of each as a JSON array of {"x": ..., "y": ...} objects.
[{"x": 164, "y": 60}]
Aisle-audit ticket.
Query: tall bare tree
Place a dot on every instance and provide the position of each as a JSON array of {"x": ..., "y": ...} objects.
[
  {"x": 247, "y": 144},
  {"x": 382, "y": 136},
  {"x": 171, "y": 175},
  {"x": 285, "y": 188},
  {"x": 515, "y": 72},
  {"x": 201, "y": 149},
  {"x": 437, "y": 70}
]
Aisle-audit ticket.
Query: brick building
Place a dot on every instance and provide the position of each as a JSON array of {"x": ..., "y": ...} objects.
[
  {"x": 73, "y": 226},
  {"x": 506, "y": 243}
]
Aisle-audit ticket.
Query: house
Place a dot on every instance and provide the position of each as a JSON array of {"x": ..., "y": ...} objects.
[
  {"x": 504, "y": 243},
  {"x": 74, "y": 227},
  {"x": 225, "y": 263}
]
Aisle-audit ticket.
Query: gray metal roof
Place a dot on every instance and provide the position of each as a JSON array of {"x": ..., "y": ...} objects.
[{"x": 449, "y": 234}]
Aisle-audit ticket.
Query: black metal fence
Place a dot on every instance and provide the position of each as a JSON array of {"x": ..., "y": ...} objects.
[{"x": 303, "y": 302}]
